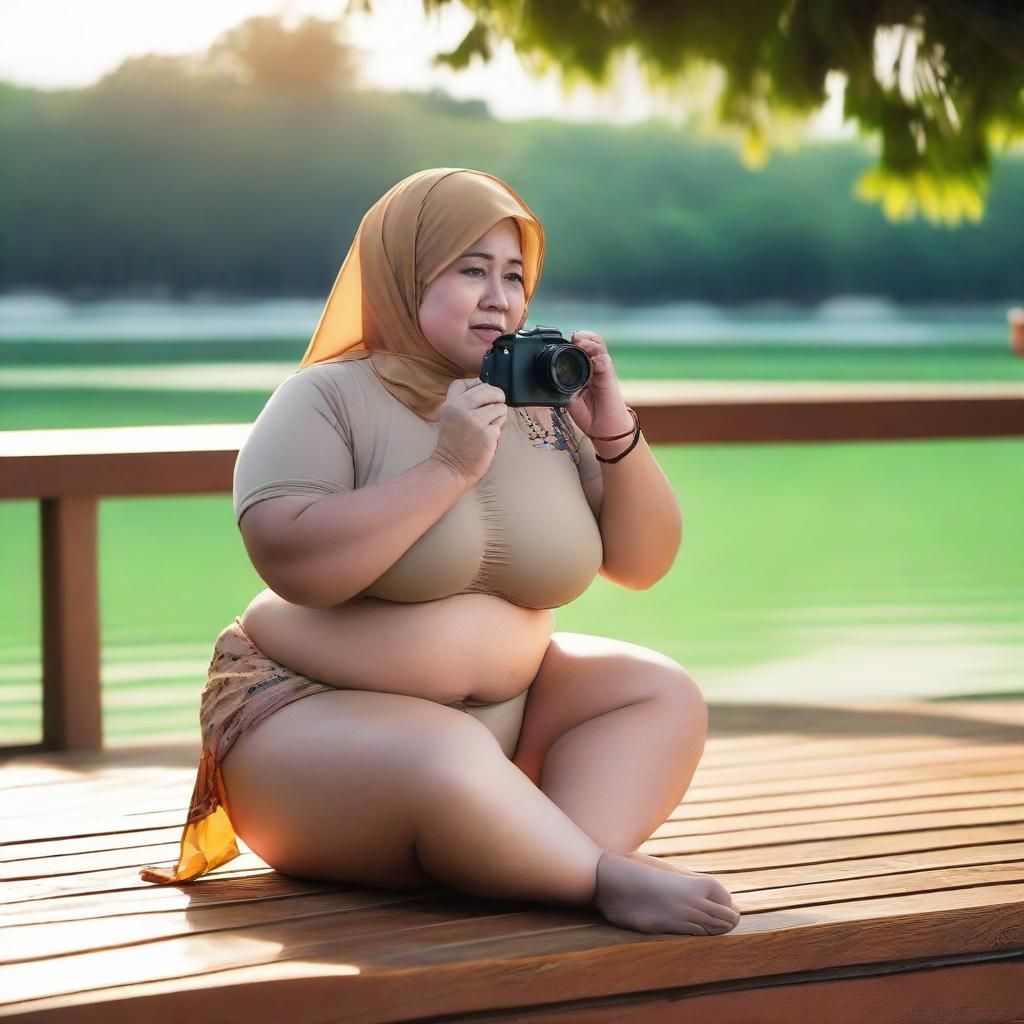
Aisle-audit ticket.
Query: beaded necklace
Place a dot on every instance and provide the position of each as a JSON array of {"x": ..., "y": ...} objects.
[{"x": 560, "y": 436}]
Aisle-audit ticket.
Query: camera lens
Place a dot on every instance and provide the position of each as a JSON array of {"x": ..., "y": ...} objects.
[{"x": 566, "y": 368}]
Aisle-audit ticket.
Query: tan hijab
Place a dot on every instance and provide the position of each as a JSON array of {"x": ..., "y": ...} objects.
[{"x": 408, "y": 237}]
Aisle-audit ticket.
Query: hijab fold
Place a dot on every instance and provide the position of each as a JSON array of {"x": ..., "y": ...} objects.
[{"x": 408, "y": 237}]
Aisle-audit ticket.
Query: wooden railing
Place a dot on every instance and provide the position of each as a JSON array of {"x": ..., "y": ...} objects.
[{"x": 68, "y": 471}]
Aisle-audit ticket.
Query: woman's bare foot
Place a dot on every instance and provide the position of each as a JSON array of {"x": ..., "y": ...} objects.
[
  {"x": 646, "y": 898},
  {"x": 658, "y": 862}
]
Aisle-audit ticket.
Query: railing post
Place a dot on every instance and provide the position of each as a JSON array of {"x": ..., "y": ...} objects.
[{"x": 72, "y": 718}]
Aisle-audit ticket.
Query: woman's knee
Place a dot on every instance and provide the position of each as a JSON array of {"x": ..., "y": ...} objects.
[
  {"x": 649, "y": 672},
  {"x": 682, "y": 694},
  {"x": 669, "y": 679},
  {"x": 669, "y": 682},
  {"x": 686, "y": 689}
]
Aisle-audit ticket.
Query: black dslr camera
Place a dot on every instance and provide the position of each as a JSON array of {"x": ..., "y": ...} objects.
[{"x": 536, "y": 367}]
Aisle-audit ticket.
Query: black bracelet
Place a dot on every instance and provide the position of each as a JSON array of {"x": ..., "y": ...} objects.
[{"x": 633, "y": 444}]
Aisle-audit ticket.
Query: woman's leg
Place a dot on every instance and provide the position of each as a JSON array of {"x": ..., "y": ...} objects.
[
  {"x": 396, "y": 791},
  {"x": 612, "y": 733},
  {"x": 374, "y": 787}
]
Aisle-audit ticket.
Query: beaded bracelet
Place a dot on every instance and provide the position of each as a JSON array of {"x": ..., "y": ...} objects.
[{"x": 617, "y": 437}]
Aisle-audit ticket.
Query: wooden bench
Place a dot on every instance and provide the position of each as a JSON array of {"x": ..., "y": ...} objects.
[
  {"x": 876, "y": 852},
  {"x": 68, "y": 471}
]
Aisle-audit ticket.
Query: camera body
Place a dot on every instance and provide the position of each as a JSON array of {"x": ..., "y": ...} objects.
[{"x": 536, "y": 367}]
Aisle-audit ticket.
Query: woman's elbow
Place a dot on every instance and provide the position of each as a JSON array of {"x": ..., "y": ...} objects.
[{"x": 296, "y": 586}]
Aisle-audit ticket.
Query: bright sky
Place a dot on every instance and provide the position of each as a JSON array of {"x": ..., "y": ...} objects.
[{"x": 54, "y": 43}]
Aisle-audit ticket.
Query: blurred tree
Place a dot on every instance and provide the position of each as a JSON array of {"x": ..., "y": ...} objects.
[
  {"x": 311, "y": 59},
  {"x": 168, "y": 178},
  {"x": 940, "y": 82}
]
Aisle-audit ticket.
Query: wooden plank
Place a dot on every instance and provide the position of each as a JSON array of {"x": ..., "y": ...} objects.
[
  {"x": 88, "y": 829},
  {"x": 114, "y": 880},
  {"x": 847, "y": 796},
  {"x": 863, "y": 718},
  {"x": 199, "y": 458},
  {"x": 729, "y": 819},
  {"x": 684, "y": 840},
  {"x": 929, "y": 995},
  {"x": 878, "y": 418},
  {"x": 216, "y": 891},
  {"x": 122, "y": 799},
  {"x": 72, "y": 718},
  {"x": 815, "y": 392},
  {"x": 800, "y": 753},
  {"x": 147, "y": 473},
  {"x": 914, "y": 994},
  {"x": 75, "y": 865},
  {"x": 829, "y": 772},
  {"x": 41, "y": 770},
  {"x": 982, "y": 767},
  {"x": 718, "y": 833},
  {"x": 914, "y": 808},
  {"x": 799, "y": 845},
  {"x": 736, "y": 723},
  {"x": 118, "y": 756},
  {"x": 834, "y": 758},
  {"x": 866, "y": 867},
  {"x": 928, "y": 991},
  {"x": 117, "y": 798},
  {"x": 177, "y": 439},
  {"x": 78, "y": 871},
  {"x": 37, "y": 942},
  {"x": 212, "y": 891},
  {"x": 380, "y": 974},
  {"x": 64, "y": 779}
]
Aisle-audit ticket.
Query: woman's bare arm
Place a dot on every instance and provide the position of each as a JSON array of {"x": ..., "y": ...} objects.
[{"x": 320, "y": 552}]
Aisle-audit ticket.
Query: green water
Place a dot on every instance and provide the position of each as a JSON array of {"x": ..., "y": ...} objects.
[{"x": 807, "y": 571}]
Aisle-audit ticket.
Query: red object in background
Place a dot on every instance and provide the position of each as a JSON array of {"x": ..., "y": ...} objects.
[{"x": 1015, "y": 318}]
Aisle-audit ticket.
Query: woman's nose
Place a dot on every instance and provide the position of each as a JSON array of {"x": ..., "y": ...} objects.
[{"x": 495, "y": 296}]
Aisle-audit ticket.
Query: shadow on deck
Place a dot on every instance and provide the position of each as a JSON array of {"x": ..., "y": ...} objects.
[{"x": 876, "y": 852}]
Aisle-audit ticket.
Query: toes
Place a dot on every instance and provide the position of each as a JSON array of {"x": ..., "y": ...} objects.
[
  {"x": 692, "y": 929},
  {"x": 720, "y": 894},
  {"x": 725, "y": 914},
  {"x": 715, "y": 925}
]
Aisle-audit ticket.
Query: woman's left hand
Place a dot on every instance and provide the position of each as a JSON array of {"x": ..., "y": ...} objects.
[{"x": 598, "y": 407}]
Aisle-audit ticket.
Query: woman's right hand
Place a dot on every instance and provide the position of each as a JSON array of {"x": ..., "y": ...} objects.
[{"x": 469, "y": 425}]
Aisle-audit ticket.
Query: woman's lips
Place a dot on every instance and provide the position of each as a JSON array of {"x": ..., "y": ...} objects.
[{"x": 489, "y": 334}]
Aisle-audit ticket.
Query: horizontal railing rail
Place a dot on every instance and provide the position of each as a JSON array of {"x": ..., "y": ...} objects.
[{"x": 68, "y": 471}]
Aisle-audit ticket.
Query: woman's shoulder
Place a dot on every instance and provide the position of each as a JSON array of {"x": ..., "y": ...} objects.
[
  {"x": 338, "y": 392},
  {"x": 341, "y": 382},
  {"x": 340, "y": 372}
]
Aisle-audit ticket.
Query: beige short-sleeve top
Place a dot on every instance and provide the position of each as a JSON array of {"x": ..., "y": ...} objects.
[{"x": 525, "y": 532}]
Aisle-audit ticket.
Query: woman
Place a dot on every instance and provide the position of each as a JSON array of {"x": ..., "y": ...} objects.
[{"x": 394, "y": 709}]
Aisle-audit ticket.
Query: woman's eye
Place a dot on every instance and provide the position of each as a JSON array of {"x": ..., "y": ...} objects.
[{"x": 473, "y": 270}]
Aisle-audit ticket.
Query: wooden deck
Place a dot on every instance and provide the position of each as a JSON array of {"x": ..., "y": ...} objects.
[{"x": 876, "y": 852}]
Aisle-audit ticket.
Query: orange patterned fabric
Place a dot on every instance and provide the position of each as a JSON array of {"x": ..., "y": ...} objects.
[{"x": 243, "y": 688}]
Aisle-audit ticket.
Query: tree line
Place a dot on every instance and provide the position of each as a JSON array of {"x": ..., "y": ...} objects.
[{"x": 159, "y": 180}]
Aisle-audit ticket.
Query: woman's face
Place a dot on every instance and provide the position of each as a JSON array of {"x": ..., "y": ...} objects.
[{"x": 483, "y": 286}]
